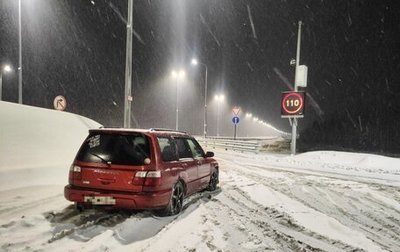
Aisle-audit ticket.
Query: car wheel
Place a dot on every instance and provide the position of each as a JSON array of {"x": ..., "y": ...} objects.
[
  {"x": 79, "y": 207},
  {"x": 176, "y": 202},
  {"x": 212, "y": 185}
]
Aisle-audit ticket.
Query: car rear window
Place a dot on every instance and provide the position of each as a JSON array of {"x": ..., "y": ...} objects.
[{"x": 115, "y": 149}]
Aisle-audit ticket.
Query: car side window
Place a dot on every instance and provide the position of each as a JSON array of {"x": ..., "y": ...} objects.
[
  {"x": 183, "y": 148},
  {"x": 196, "y": 149},
  {"x": 168, "y": 149}
]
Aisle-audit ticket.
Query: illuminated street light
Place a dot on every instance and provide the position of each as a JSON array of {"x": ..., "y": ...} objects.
[
  {"x": 219, "y": 98},
  {"x": 178, "y": 75},
  {"x": 4, "y": 69},
  {"x": 195, "y": 62}
]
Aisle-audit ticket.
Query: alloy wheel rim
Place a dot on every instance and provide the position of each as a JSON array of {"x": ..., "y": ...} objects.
[{"x": 177, "y": 198}]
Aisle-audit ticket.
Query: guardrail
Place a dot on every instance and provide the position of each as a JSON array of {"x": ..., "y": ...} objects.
[{"x": 253, "y": 146}]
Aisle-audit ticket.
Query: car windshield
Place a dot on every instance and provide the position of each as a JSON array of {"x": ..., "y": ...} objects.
[{"x": 115, "y": 149}]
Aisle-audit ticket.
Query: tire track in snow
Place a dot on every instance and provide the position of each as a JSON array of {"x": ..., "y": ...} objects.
[
  {"x": 270, "y": 224},
  {"x": 377, "y": 221}
]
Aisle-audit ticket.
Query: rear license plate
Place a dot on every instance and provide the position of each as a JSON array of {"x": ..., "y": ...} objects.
[{"x": 100, "y": 200}]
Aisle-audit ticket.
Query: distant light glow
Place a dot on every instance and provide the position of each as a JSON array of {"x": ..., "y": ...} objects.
[
  {"x": 194, "y": 62},
  {"x": 7, "y": 68},
  {"x": 219, "y": 98},
  {"x": 178, "y": 74},
  {"x": 249, "y": 115}
]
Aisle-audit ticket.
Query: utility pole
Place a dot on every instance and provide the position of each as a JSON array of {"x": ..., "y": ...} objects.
[
  {"x": 294, "y": 122},
  {"x": 20, "y": 55},
  {"x": 205, "y": 105},
  {"x": 128, "y": 68},
  {"x": 177, "y": 104}
]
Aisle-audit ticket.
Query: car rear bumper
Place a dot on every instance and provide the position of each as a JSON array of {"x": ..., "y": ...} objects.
[{"x": 144, "y": 200}]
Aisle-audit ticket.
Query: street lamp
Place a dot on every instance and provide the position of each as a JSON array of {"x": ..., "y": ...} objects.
[
  {"x": 219, "y": 98},
  {"x": 4, "y": 69},
  {"x": 195, "y": 62},
  {"x": 177, "y": 75}
]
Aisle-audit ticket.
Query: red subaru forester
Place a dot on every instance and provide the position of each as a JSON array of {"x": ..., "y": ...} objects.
[{"x": 139, "y": 169}]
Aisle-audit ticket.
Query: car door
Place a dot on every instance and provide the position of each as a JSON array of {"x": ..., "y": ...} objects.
[
  {"x": 188, "y": 163},
  {"x": 203, "y": 167}
]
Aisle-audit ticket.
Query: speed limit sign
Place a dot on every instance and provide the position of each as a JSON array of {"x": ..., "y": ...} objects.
[{"x": 292, "y": 104}]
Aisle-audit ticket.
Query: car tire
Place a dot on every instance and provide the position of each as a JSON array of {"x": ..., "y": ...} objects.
[
  {"x": 79, "y": 207},
  {"x": 212, "y": 185},
  {"x": 176, "y": 202}
]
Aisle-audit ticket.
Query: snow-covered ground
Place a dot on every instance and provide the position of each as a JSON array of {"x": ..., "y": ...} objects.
[{"x": 317, "y": 201}]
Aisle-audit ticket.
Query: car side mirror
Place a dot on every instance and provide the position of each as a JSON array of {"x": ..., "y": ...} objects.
[{"x": 209, "y": 154}]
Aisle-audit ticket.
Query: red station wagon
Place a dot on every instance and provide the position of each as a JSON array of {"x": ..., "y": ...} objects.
[{"x": 139, "y": 169}]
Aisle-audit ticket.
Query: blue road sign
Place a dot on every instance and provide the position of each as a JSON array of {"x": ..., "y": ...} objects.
[{"x": 235, "y": 120}]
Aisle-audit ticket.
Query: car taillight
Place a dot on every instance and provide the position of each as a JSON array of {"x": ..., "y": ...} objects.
[
  {"x": 153, "y": 178},
  {"x": 74, "y": 173},
  {"x": 147, "y": 178},
  {"x": 75, "y": 168}
]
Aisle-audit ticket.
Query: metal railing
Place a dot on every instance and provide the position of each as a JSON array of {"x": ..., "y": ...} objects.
[{"x": 253, "y": 146}]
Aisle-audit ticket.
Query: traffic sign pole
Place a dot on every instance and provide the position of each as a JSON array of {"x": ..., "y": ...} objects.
[
  {"x": 294, "y": 123},
  {"x": 235, "y": 121}
]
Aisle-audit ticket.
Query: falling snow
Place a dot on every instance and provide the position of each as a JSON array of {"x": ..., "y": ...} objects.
[{"x": 77, "y": 49}]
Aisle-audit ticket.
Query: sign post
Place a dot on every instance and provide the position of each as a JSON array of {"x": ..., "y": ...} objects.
[
  {"x": 292, "y": 104},
  {"x": 235, "y": 119}
]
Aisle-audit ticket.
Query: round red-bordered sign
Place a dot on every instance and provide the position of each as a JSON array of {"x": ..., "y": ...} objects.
[{"x": 292, "y": 103}]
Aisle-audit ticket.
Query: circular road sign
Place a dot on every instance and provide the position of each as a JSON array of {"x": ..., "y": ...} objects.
[
  {"x": 292, "y": 104},
  {"x": 60, "y": 103},
  {"x": 235, "y": 120}
]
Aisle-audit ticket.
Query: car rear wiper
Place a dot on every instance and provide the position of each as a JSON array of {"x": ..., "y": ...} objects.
[{"x": 102, "y": 159}]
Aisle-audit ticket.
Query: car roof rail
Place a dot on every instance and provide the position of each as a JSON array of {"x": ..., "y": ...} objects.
[{"x": 169, "y": 130}]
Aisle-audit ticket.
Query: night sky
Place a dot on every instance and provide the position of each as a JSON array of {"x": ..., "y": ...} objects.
[{"x": 76, "y": 48}]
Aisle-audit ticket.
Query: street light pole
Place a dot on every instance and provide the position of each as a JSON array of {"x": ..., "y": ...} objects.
[
  {"x": 20, "y": 55},
  {"x": 205, "y": 105},
  {"x": 219, "y": 99},
  {"x": 6, "y": 68},
  {"x": 177, "y": 75},
  {"x": 218, "y": 118},
  {"x": 177, "y": 104},
  {"x": 294, "y": 123},
  {"x": 195, "y": 62},
  {"x": 128, "y": 68},
  {"x": 1, "y": 84}
]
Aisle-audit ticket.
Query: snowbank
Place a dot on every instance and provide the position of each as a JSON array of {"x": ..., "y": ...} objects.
[{"x": 23, "y": 128}]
